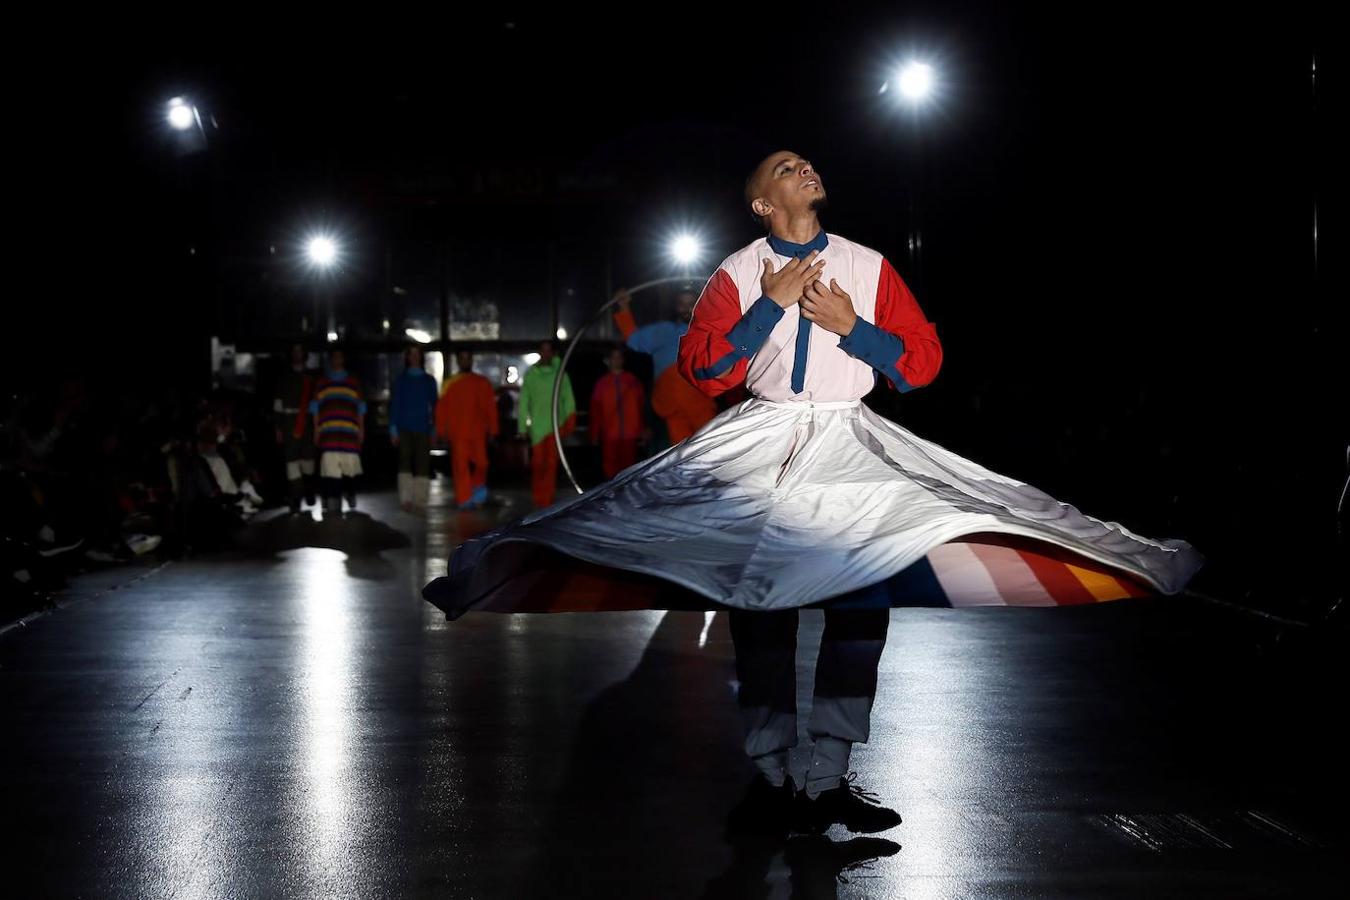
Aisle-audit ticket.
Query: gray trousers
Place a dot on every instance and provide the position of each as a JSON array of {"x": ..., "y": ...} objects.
[{"x": 846, "y": 685}]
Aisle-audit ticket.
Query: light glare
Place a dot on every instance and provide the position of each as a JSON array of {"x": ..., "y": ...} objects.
[
  {"x": 322, "y": 251},
  {"x": 685, "y": 249},
  {"x": 181, "y": 115},
  {"x": 916, "y": 80}
]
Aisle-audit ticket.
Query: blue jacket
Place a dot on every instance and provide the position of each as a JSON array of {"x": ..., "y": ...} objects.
[{"x": 414, "y": 403}]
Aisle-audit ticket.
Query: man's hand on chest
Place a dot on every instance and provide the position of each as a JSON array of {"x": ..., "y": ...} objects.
[
  {"x": 788, "y": 285},
  {"x": 829, "y": 307}
]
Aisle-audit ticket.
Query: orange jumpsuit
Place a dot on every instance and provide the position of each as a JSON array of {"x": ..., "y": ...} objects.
[
  {"x": 617, "y": 406},
  {"x": 466, "y": 416},
  {"x": 684, "y": 407}
]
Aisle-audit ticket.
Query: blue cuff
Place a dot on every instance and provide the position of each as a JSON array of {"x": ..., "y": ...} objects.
[
  {"x": 879, "y": 349},
  {"x": 750, "y": 333},
  {"x": 393, "y": 430},
  {"x": 746, "y": 336},
  {"x": 314, "y": 407},
  {"x": 361, "y": 407}
]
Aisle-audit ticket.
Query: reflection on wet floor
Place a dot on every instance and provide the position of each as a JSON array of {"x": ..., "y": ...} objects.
[{"x": 293, "y": 720}]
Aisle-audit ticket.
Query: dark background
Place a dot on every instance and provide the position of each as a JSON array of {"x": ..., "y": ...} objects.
[{"x": 1117, "y": 207}]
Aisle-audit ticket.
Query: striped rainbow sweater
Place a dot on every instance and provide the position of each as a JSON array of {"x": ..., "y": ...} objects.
[{"x": 338, "y": 407}]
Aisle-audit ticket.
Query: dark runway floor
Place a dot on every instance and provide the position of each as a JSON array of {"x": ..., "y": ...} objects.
[{"x": 295, "y": 721}]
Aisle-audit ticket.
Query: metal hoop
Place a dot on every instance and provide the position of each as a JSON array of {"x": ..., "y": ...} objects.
[{"x": 562, "y": 367}]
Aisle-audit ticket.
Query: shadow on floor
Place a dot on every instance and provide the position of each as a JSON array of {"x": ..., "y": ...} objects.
[{"x": 356, "y": 534}]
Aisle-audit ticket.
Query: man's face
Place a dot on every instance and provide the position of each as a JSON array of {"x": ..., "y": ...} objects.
[
  {"x": 615, "y": 360},
  {"x": 787, "y": 183},
  {"x": 415, "y": 357},
  {"x": 464, "y": 360},
  {"x": 546, "y": 352},
  {"x": 337, "y": 360},
  {"x": 684, "y": 306}
]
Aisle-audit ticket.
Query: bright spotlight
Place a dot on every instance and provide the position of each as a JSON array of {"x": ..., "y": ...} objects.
[
  {"x": 181, "y": 116},
  {"x": 322, "y": 251},
  {"x": 915, "y": 80},
  {"x": 685, "y": 249},
  {"x": 530, "y": 358},
  {"x": 562, "y": 333},
  {"x": 332, "y": 337},
  {"x": 417, "y": 334}
]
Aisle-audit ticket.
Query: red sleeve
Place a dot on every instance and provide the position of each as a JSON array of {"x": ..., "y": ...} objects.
[
  {"x": 624, "y": 321},
  {"x": 717, "y": 348},
  {"x": 898, "y": 313}
]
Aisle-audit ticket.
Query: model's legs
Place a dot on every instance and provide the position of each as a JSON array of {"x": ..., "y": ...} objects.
[
  {"x": 479, "y": 468},
  {"x": 544, "y": 471},
  {"x": 295, "y": 481},
  {"x": 330, "y": 482},
  {"x": 405, "y": 470},
  {"x": 617, "y": 455},
  {"x": 766, "y": 665},
  {"x": 420, "y": 468},
  {"x": 846, "y": 685},
  {"x": 308, "y": 470}
]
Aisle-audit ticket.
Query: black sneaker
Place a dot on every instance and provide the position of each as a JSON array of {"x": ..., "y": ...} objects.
[
  {"x": 817, "y": 864},
  {"x": 857, "y": 810},
  {"x": 768, "y": 810}
]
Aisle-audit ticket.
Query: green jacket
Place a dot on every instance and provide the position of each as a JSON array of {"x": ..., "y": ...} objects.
[{"x": 536, "y": 401}]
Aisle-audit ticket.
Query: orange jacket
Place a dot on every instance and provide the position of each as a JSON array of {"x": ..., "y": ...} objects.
[{"x": 467, "y": 409}]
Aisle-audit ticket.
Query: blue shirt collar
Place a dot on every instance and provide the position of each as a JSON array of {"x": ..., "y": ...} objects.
[{"x": 798, "y": 251}]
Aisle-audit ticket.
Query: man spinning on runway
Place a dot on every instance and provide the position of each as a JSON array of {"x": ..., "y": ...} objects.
[
  {"x": 820, "y": 283},
  {"x": 801, "y": 495}
]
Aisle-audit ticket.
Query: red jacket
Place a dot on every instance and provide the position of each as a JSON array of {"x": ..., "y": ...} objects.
[{"x": 617, "y": 406}]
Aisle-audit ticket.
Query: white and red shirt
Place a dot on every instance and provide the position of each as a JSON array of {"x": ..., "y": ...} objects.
[{"x": 737, "y": 334}]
